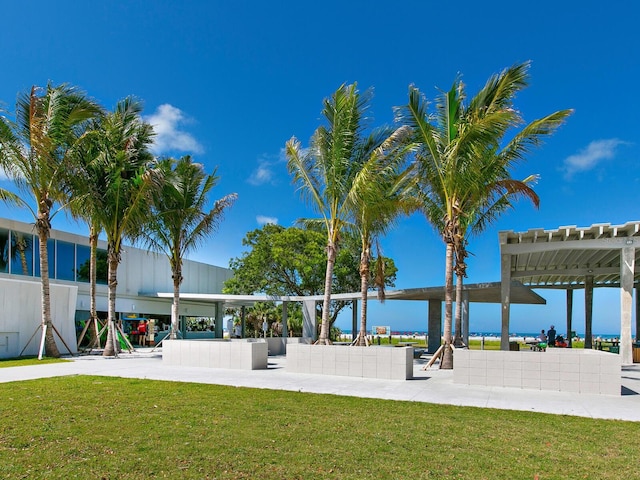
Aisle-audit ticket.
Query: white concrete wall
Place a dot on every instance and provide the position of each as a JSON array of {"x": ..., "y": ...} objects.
[
  {"x": 20, "y": 316},
  {"x": 367, "y": 362},
  {"x": 557, "y": 369},
  {"x": 215, "y": 353}
]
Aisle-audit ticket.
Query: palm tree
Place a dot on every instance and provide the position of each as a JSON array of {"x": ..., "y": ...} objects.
[
  {"x": 34, "y": 152},
  {"x": 179, "y": 223},
  {"x": 454, "y": 146},
  {"x": 121, "y": 197},
  {"x": 381, "y": 191},
  {"x": 326, "y": 170},
  {"x": 85, "y": 204}
]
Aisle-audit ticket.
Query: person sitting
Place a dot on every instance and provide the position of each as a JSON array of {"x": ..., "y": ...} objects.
[
  {"x": 560, "y": 342},
  {"x": 542, "y": 342}
]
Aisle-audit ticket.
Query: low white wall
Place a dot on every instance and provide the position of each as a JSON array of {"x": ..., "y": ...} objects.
[
  {"x": 21, "y": 315},
  {"x": 394, "y": 363},
  {"x": 246, "y": 355},
  {"x": 557, "y": 369}
]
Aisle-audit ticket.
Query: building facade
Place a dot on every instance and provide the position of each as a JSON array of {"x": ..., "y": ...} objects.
[{"x": 141, "y": 276}]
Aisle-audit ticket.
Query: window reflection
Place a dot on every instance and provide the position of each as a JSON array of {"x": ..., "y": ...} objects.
[
  {"x": 83, "y": 263},
  {"x": 21, "y": 253},
  {"x": 66, "y": 254},
  {"x": 83, "y": 254},
  {"x": 51, "y": 256},
  {"x": 4, "y": 250}
]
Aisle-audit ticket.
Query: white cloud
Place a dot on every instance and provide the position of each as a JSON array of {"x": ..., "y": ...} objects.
[
  {"x": 167, "y": 121},
  {"x": 261, "y": 175},
  {"x": 265, "y": 171},
  {"x": 589, "y": 157},
  {"x": 263, "y": 220}
]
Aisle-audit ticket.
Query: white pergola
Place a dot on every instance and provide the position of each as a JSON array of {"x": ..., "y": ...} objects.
[{"x": 571, "y": 258}]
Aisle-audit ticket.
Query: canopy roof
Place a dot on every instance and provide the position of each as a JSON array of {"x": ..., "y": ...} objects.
[
  {"x": 563, "y": 258},
  {"x": 479, "y": 292}
]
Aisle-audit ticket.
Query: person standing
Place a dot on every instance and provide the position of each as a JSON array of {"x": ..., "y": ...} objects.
[{"x": 551, "y": 336}]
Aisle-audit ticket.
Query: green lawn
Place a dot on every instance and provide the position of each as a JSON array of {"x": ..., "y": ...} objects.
[
  {"x": 110, "y": 428},
  {"x": 23, "y": 361}
]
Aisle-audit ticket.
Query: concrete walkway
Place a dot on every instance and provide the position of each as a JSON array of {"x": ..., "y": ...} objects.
[{"x": 431, "y": 386}]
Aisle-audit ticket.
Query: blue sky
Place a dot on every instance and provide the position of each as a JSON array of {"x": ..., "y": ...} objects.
[{"x": 231, "y": 82}]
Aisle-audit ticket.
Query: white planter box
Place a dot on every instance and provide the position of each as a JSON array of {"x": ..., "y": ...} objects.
[
  {"x": 368, "y": 362},
  {"x": 557, "y": 369},
  {"x": 246, "y": 355}
]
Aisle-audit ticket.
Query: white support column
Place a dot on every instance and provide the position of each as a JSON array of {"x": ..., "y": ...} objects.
[
  {"x": 309, "y": 319},
  {"x": 465, "y": 317},
  {"x": 627, "y": 266},
  {"x": 505, "y": 292},
  {"x": 285, "y": 328}
]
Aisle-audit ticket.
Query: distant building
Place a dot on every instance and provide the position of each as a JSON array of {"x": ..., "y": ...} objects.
[{"x": 141, "y": 275}]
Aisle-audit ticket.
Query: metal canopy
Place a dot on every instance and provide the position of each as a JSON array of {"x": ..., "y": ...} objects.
[
  {"x": 565, "y": 257},
  {"x": 477, "y": 293}
]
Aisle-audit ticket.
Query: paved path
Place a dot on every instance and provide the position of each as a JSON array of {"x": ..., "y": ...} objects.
[{"x": 431, "y": 386}]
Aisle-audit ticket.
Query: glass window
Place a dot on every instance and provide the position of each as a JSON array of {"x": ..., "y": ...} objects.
[
  {"x": 83, "y": 261},
  {"x": 66, "y": 264},
  {"x": 102, "y": 267},
  {"x": 51, "y": 255},
  {"x": 4, "y": 250},
  {"x": 21, "y": 253}
]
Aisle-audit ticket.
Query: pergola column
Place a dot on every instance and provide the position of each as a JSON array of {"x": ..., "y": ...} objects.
[
  {"x": 569, "y": 316},
  {"x": 627, "y": 267},
  {"x": 434, "y": 326},
  {"x": 219, "y": 313},
  {"x": 465, "y": 317},
  {"x": 285, "y": 331},
  {"x": 588, "y": 311},
  {"x": 355, "y": 328},
  {"x": 505, "y": 293},
  {"x": 637, "y": 316},
  {"x": 243, "y": 320},
  {"x": 309, "y": 319}
]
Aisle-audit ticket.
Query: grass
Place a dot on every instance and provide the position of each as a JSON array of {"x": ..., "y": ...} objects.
[
  {"x": 24, "y": 361},
  {"x": 108, "y": 428}
]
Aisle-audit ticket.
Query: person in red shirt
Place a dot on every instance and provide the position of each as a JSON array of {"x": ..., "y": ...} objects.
[{"x": 142, "y": 332}]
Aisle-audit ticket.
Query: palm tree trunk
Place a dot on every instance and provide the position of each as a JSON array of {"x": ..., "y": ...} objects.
[
  {"x": 457, "y": 339},
  {"x": 93, "y": 278},
  {"x": 177, "y": 280},
  {"x": 447, "y": 355},
  {"x": 42, "y": 227},
  {"x": 111, "y": 346},
  {"x": 365, "y": 257},
  {"x": 331, "y": 260}
]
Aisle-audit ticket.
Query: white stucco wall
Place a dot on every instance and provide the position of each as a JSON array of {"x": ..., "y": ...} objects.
[{"x": 20, "y": 316}]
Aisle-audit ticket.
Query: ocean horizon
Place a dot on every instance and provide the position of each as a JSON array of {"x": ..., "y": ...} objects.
[{"x": 422, "y": 333}]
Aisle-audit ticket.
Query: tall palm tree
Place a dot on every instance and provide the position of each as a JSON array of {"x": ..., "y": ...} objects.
[
  {"x": 454, "y": 146},
  {"x": 34, "y": 153},
  {"x": 381, "y": 191},
  {"x": 86, "y": 173},
  {"x": 325, "y": 171},
  {"x": 122, "y": 195},
  {"x": 179, "y": 223}
]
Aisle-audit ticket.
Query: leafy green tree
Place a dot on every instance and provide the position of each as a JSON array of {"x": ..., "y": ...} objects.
[
  {"x": 123, "y": 195},
  {"x": 456, "y": 145},
  {"x": 292, "y": 261},
  {"x": 34, "y": 152},
  {"x": 325, "y": 171},
  {"x": 179, "y": 222}
]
